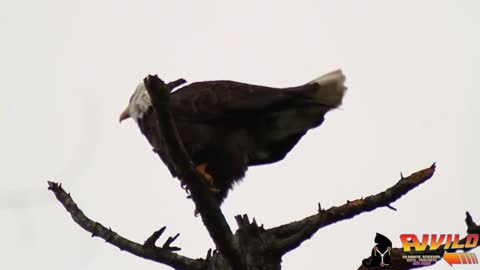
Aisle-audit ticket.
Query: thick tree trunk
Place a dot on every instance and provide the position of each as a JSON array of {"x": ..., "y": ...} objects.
[{"x": 255, "y": 246}]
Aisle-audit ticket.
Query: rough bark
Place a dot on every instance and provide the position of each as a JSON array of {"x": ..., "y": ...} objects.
[{"x": 148, "y": 250}]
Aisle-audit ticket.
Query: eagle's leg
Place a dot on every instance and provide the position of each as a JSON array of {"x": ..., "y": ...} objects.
[{"x": 202, "y": 169}]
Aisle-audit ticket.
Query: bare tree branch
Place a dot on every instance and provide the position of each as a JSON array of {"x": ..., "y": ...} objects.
[
  {"x": 148, "y": 251},
  {"x": 205, "y": 203},
  {"x": 156, "y": 235},
  {"x": 290, "y": 236}
]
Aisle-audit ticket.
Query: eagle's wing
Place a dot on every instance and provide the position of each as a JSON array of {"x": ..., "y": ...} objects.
[
  {"x": 274, "y": 118},
  {"x": 224, "y": 100}
]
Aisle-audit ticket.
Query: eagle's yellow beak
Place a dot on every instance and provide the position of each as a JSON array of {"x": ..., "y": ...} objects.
[{"x": 124, "y": 115}]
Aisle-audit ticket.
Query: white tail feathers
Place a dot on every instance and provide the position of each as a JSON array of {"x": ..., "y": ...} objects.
[{"x": 331, "y": 89}]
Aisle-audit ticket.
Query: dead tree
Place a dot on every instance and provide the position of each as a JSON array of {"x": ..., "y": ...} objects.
[{"x": 251, "y": 247}]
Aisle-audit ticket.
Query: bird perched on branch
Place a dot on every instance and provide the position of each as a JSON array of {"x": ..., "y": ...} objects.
[{"x": 227, "y": 126}]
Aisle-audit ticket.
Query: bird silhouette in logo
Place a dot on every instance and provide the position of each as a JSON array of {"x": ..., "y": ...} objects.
[{"x": 381, "y": 253}]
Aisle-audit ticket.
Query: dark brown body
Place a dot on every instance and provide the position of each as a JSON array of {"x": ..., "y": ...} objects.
[{"x": 230, "y": 125}]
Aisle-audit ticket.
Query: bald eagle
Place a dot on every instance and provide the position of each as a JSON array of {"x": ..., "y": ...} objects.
[{"x": 227, "y": 126}]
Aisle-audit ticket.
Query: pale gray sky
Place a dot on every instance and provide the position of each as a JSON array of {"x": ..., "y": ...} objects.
[{"x": 69, "y": 67}]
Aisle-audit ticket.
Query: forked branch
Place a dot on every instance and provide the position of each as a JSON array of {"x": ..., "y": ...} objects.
[
  {"x": 290, "y": 236},
  {"x": 148, "y": 251}
]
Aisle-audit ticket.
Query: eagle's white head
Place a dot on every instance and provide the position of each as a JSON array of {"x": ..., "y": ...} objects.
[{"x": 138, "y": 104}]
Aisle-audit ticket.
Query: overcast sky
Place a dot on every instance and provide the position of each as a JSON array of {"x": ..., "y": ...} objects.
[{"x": 69, "y": 67}]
